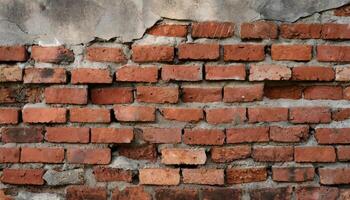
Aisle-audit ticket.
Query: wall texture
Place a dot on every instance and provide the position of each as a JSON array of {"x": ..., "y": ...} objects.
[{"x": 194, "y": 109}]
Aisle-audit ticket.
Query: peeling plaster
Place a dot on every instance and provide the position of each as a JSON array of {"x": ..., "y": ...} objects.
[{"x": 55, "y": 22}]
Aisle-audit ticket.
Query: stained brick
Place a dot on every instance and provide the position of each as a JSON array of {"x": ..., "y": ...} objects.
[
  {"x": 245, "y": 175},
  {"x": 52, "y": 54}
]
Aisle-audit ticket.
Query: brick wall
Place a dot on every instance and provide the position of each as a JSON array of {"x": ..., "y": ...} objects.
[{"x": 194, "y": 110}]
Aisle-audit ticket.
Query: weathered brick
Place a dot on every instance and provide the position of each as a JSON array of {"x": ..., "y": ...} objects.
[
  {"x": 235, "y": 115},
  {"x": 247, "y": 134},
  {"x": 296, "y": 52},
  {"x": 44, "y": 75},
  {"x": 267, "y": 114},
  {"x": 139, "y": 152},
  {"x": 52, "y": 54},
  {"x": 10, "y": 74},
  {"x": 9, "y": 155},
  {"x": 341, "y": 114},
  {"x": 346, "y": 93},
  {"x": 203, "y": 176},
  {"x": 293, "y": 174},
  {"x": 283, "y": 92},
  {"x": 21, "y": 134},
  {"x": 182, "y": 73},
  {"x": 105, "y": 54},
  {"x": 165, "y": 176},
  {"x": 107, "y": 174},
  {"x": 244, "y": 52},
  {"x": 343, "y": 153},
  {"x": 66, "y": 95},
  {"x": 44, "y": 115},
  {"x": 313, "y": 73},
  {"x": 112, "y": 135},
  {"x": 243, "y": 93},
  {"x": 23, "y": 176},
  {"x": 342, "y": 73},
  {"x": 334, "y": 176},
  {"x": 90, "y": 75},
  {"x": 276, "y": 193},
  {"x": 160, "y": 135},
  {"x": 130, "y": 73},
  {"x": 323, "y": 92},
  {"x": 192, "y": 51},
  {"x": 259, "y": 30},
  {"x": 8, "y": 115},
  {"x": 168, "y": 30},
  {"x": 332, "y": 135},
  {"x": 85, "y": 192},
  {"x": 178, "y": 156},
  {"x": 131, "y": 193},
  {"x": 90, "y": 115},
  {"x": 310, "y": 115},
  {"x": 183, "y": 114},
  {"x": 273, "y": 154},
  {"x": 245, "y": 175},
  {"x": 332, "y": 31},
  {"x": 112, "y": 95},
  {"x": 152, "y": 53},
  {"x": 331, "y": 53},
  {"x": 314, "y": 154},
  {"x": 135, "y": 113},
  {"x": 89, "y": 156},
  {"x": 319, "y": 193},
  {"x": 42, "y": 155},
  {"x": 67, "y": 135},
  {"x": 269, "y": 72},
  {"x": 229, "y": 154},
  {"x": 203, "y": 136},
  {"x": 176, "y": 193},
  {"x": 289, "y": 134},
  {"x": 157, "y": 94},
  {"x": 225, "y": 72},
  {"x": 212, "y": 29},
  {"x": 221, "y": 194},
  {"x": 13, "y": 53},
  {"x": 300, "y": 31},
  {"x": 201, "y": 94}
]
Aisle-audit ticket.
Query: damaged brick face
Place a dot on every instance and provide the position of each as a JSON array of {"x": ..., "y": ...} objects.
[{"x": 201, "y": 111}]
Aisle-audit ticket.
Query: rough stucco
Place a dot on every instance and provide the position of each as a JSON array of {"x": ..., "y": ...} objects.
[{"x": 80, "y": 21}]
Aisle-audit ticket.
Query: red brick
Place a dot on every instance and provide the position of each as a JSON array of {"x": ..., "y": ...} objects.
[
  {"x": 21, "y": 134},
  {"x": 323, "y": 92},
  {"x": 67, "y": 135},
  {"x": 333, "y": 31},
  {"x": 44, "y": 75},
  {"x": 300, "y": 31},
  {"x": 259, "y": 30},
  {"x": 244, "y": 52},
  {"x": 139, "y": 152},
  {"x": 316, "y": 193},
  {"x": 343, "y": 153},
  {"x": 269, "y": 72},
  {"x": 105, "y": 54},
  {"x": 9, "y": 155},
  {"x": 112, "y": 95},
  {"x": 159, "y": 176},
  {"x": 229, "y": 154},
  {"x": 52, "y": 54},
  {"x": 343, "y": 11},
  {"x": 227, "y": 115},
  {"x": 331, "y": 53},
  {"x": 168, "y": 30},
  {"x": 90, "y": 115},
  {"x": 204, "y": 136},
  {"x": 212, "y": 29},
  {"x": 346, "y": 93},
  {"x": 334, "y": 176},
  {"x": 283, "y": 92},
  {"x": 273, "y": 154},
  {"x": 245, "y": 175},
  {"x": 203, "y": 176},
  {"x": 10, "y": 74},
  {"x": 344, "y": 194},
  {"x": 314, "y": 154},
  {"x": 296, "y": 52},
  {"x": 20, "y": 94},
  {"x": 157, "y": 94},
  {"x": 135, "y": 113},
  {"x": 191, "y": 51},
  {"x": 247, "y": 134},
  {"x": 44, "y": 115},
  {"x": 90, "y": 75},
  {"x": 160, "y": 135},
  {"x": 13, "y": 53},
  {"x": 177, "y": 156},
  {"x": 293, "y": 174},
  {"x": 225, "y": 72},
  {"x": 107, "y": 174},
  {"x": 342, "y": 73},
  {"x": 42, "y": 155},
  {"x": 66, "y": 95},
  {"x": 332, "y": 135},
  {"x": 112, "y": 135},
  {"x": 341, "y": 114},
  {"x": 3, "y": 196},
  {"x": 201, "y": 94},
  {"x": 183, "y": 114},
  {"x": 8, "y": 115},
  {"x": 310, "y": 115},
  {"x": 313, "y": 73},
  {"x": 150, "y": 53},
  {"x": 267, "y": 114},
  {"x": 147, "y": 74},
  {"x": 176, "y": 193},
  {"x": 221, "y": 194},
  {"x": 289, "y": 134},
  {"x": 89, "y": 156},
  {"x": 131, "y": 193},
  {"x": 243, "y": 93},
  {"x": 84, "y": 192},
  {"x": 23, "y": 176},
  {"x": 275, "y": 193},
  {"x": 182, "y": 73}
]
